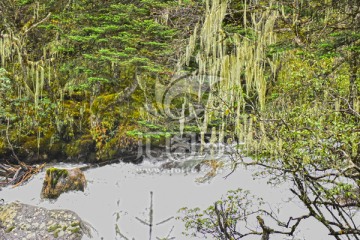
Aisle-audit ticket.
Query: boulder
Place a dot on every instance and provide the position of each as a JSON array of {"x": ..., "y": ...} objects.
[
  {"x": 58, "y": 181},
  {"x": 186, "y": 165},
  {"x": 22, "y": 221},
  {"x": 210, "y": 166}
]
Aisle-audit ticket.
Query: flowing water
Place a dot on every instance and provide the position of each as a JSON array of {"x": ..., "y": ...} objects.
[{"x": 123, "y": 190}]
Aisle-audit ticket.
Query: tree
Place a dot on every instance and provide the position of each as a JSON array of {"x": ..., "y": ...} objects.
[
  {"x": 304, "y": 130},
  {"x": 233, "y": 216}
]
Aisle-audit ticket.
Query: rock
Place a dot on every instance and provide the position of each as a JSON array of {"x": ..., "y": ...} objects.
[
  {"x": 210, "y": 166},
  {"x": 22, "y": 221},
  {"x": 186, "y": 166},
  {"x": 58, "y": 181}
]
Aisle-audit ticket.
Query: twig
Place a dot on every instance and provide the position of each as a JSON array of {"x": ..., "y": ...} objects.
[
  {"x": 10, "y": 145},
  {"x": 29, "y": 174},
  {"x": 36, "y": 24},
  {"x": 151, "y": 215},
  {"x": 166, "y": 220}
]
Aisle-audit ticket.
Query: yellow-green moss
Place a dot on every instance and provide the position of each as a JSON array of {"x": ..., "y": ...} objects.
[
  {"x": 81, "y": 146},
  {"x": 52, "y": 228},
  {"x": 57, "y": 171},
  {"x": 9, "y": 229},
  {"x": 56, "y": 233},
  {"x": 103, "y": 102},
  {"x": 78, "y": 96},
  {"x": 55, "y": 149},
  {"x": 44, "y": 145},
  {"x": 31, "y": 143},
  {"x": 2, "y": 147},
  {"x": 75, "y": 230},
  {"x": 55, "y": 174},
  {"x": 75, "y": 224},
  {"x": 109, "y": 150}
]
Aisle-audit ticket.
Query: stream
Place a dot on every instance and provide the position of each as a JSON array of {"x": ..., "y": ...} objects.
[{"x": 123, "y": 190}]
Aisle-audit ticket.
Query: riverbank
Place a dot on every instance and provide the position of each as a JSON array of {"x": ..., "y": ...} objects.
[{"x": 118, "y": 194}]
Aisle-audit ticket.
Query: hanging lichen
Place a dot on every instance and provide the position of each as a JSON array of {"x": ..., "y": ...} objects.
[
  {"x": 236, "y": 73},
  {"x": 29, "y": 71}
]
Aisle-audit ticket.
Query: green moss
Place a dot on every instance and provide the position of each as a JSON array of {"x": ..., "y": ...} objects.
[
  {"x": 44, "y": 148},
  {"x": 55, "y": 174},
  {"x": 55, "y": 149},
  {"x": 77, "y": 96},
  {"x": 75, "y": 230},
  {"x": 56, "y": 233},
  {"x": 31, "y": 143},
  {"x": 103, "y": 102},
  {"x": 2, "y": 146},
  {"x": 52, "y": 228},
  {"x": 75, "y": 224},
  {"x": 110, "y": 149},
  {"x": 9, "y": 229},
  {"x": 82, "y": 146}
]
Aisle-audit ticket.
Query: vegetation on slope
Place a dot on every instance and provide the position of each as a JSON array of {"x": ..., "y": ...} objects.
[{"x": 70, "y": 69}]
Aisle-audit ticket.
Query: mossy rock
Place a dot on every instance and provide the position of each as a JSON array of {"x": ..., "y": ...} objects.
[
  {"x": 34, "y": 149},
  {"x": 119, "y": 145},
  {"x": 28, "y": 152},
  {"x": 55, "y": 150},
  {"x": 22, "y": 221},
  {"x": 58, "y": 181},
  {"x": 52, "y": 148},
  {"x": 82, "y": 149}
]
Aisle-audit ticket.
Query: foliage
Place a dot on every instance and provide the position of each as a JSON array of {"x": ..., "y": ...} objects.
[
  {"x": 233, "y": 217},
  {"x": 223, "y": 219},
  {"x": 69, "y": 65},
  {"x": 307, "y": 130}
]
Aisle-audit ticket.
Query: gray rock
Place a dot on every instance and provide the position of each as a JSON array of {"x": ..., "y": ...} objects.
[
  {"x": 22, "y": 221},
  {"x": 187, "y": 165}
]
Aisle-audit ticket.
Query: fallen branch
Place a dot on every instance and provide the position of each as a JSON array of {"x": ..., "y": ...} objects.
[
  {"x": 16, "y": 175},
  {"x": 28, "y": 174}
]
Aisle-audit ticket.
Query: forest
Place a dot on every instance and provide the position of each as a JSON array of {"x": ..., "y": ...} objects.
[{"x": 85, "y": 81}]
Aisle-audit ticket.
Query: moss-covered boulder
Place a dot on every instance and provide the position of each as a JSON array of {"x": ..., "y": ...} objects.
[
  {"x": 81, "y": 150},
  {"x": 58, "y": 181},
  {"x": 22, "y": 221}
]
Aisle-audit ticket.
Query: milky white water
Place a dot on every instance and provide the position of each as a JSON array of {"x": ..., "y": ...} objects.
[{"x": 125, "y": 189}]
